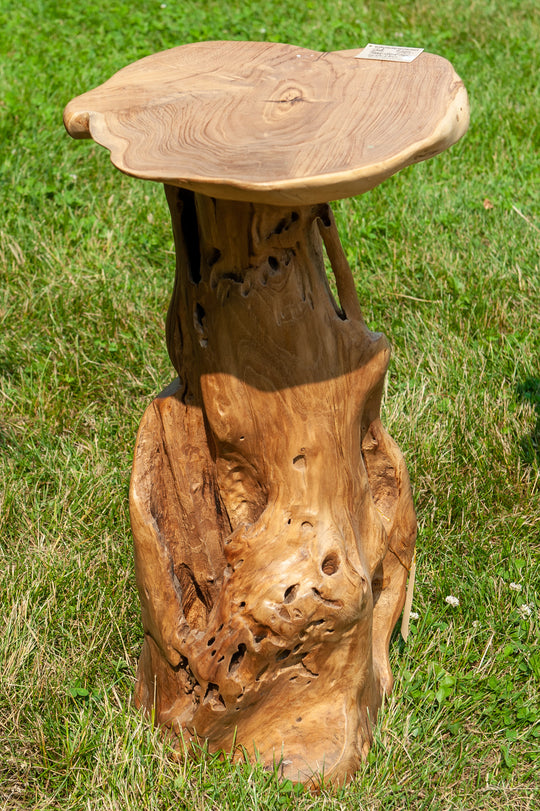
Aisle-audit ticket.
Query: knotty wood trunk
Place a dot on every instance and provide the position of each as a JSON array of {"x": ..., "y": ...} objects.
[{"x": 271, "y": 512}]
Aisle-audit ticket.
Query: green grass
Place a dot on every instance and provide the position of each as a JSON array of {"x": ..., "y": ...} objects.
[{"x": 86, "y": 268}]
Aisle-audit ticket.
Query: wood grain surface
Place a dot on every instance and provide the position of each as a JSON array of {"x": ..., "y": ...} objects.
[
  {"x": 271, "y": 511},
  {"x": 270, "y": 122}
]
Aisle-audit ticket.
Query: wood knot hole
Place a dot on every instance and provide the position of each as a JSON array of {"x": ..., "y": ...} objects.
[
  {"x": 237, "y": 657},
  {"x": 330, "y": 564},
  {"x": 290, "y": 593},
  {"x": 212, "y": 695}
]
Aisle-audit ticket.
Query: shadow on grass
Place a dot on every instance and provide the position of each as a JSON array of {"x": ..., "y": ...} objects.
[{"x": 529, "y": 392}]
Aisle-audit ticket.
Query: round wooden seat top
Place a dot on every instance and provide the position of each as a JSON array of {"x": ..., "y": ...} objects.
[{"x": 269, "y": 122}]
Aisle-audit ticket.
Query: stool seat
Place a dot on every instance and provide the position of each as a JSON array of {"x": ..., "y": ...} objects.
[{"x": 272, "y": 123}]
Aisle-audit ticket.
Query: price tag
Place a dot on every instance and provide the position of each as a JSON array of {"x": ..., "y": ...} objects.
[{"x": 389, "y": 53}]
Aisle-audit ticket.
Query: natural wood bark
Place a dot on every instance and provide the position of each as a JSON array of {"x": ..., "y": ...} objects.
[{"x": 271, "y": 512}]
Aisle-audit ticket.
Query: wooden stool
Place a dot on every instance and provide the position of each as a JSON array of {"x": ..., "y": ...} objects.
[{"x": 272, "y": 513}]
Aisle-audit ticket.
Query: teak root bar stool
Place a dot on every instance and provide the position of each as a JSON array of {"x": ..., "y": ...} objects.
[{"x": 272, "y": 514}]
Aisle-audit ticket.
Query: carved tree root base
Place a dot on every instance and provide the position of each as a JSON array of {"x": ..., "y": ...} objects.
[{"x": 271, "y": 512}]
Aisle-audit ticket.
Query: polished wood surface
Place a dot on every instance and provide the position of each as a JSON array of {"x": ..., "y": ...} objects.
[
  {"x": 272, "y": 513},
  {"x": 273, "y": 123}
]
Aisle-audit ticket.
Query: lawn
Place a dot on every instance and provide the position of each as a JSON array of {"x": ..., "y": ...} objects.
[{"x": 445, "y": 258}]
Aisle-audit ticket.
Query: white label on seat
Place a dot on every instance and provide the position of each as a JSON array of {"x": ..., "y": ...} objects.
[{"x": 389, "y": 53}]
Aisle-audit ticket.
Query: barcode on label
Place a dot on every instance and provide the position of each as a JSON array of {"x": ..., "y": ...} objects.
[{"x": 389, "y": 53}]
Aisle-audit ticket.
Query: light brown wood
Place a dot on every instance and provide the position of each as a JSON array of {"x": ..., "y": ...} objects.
[
  {"x": 271, "y": 512},
  {"x": 272, "y": 123}
]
